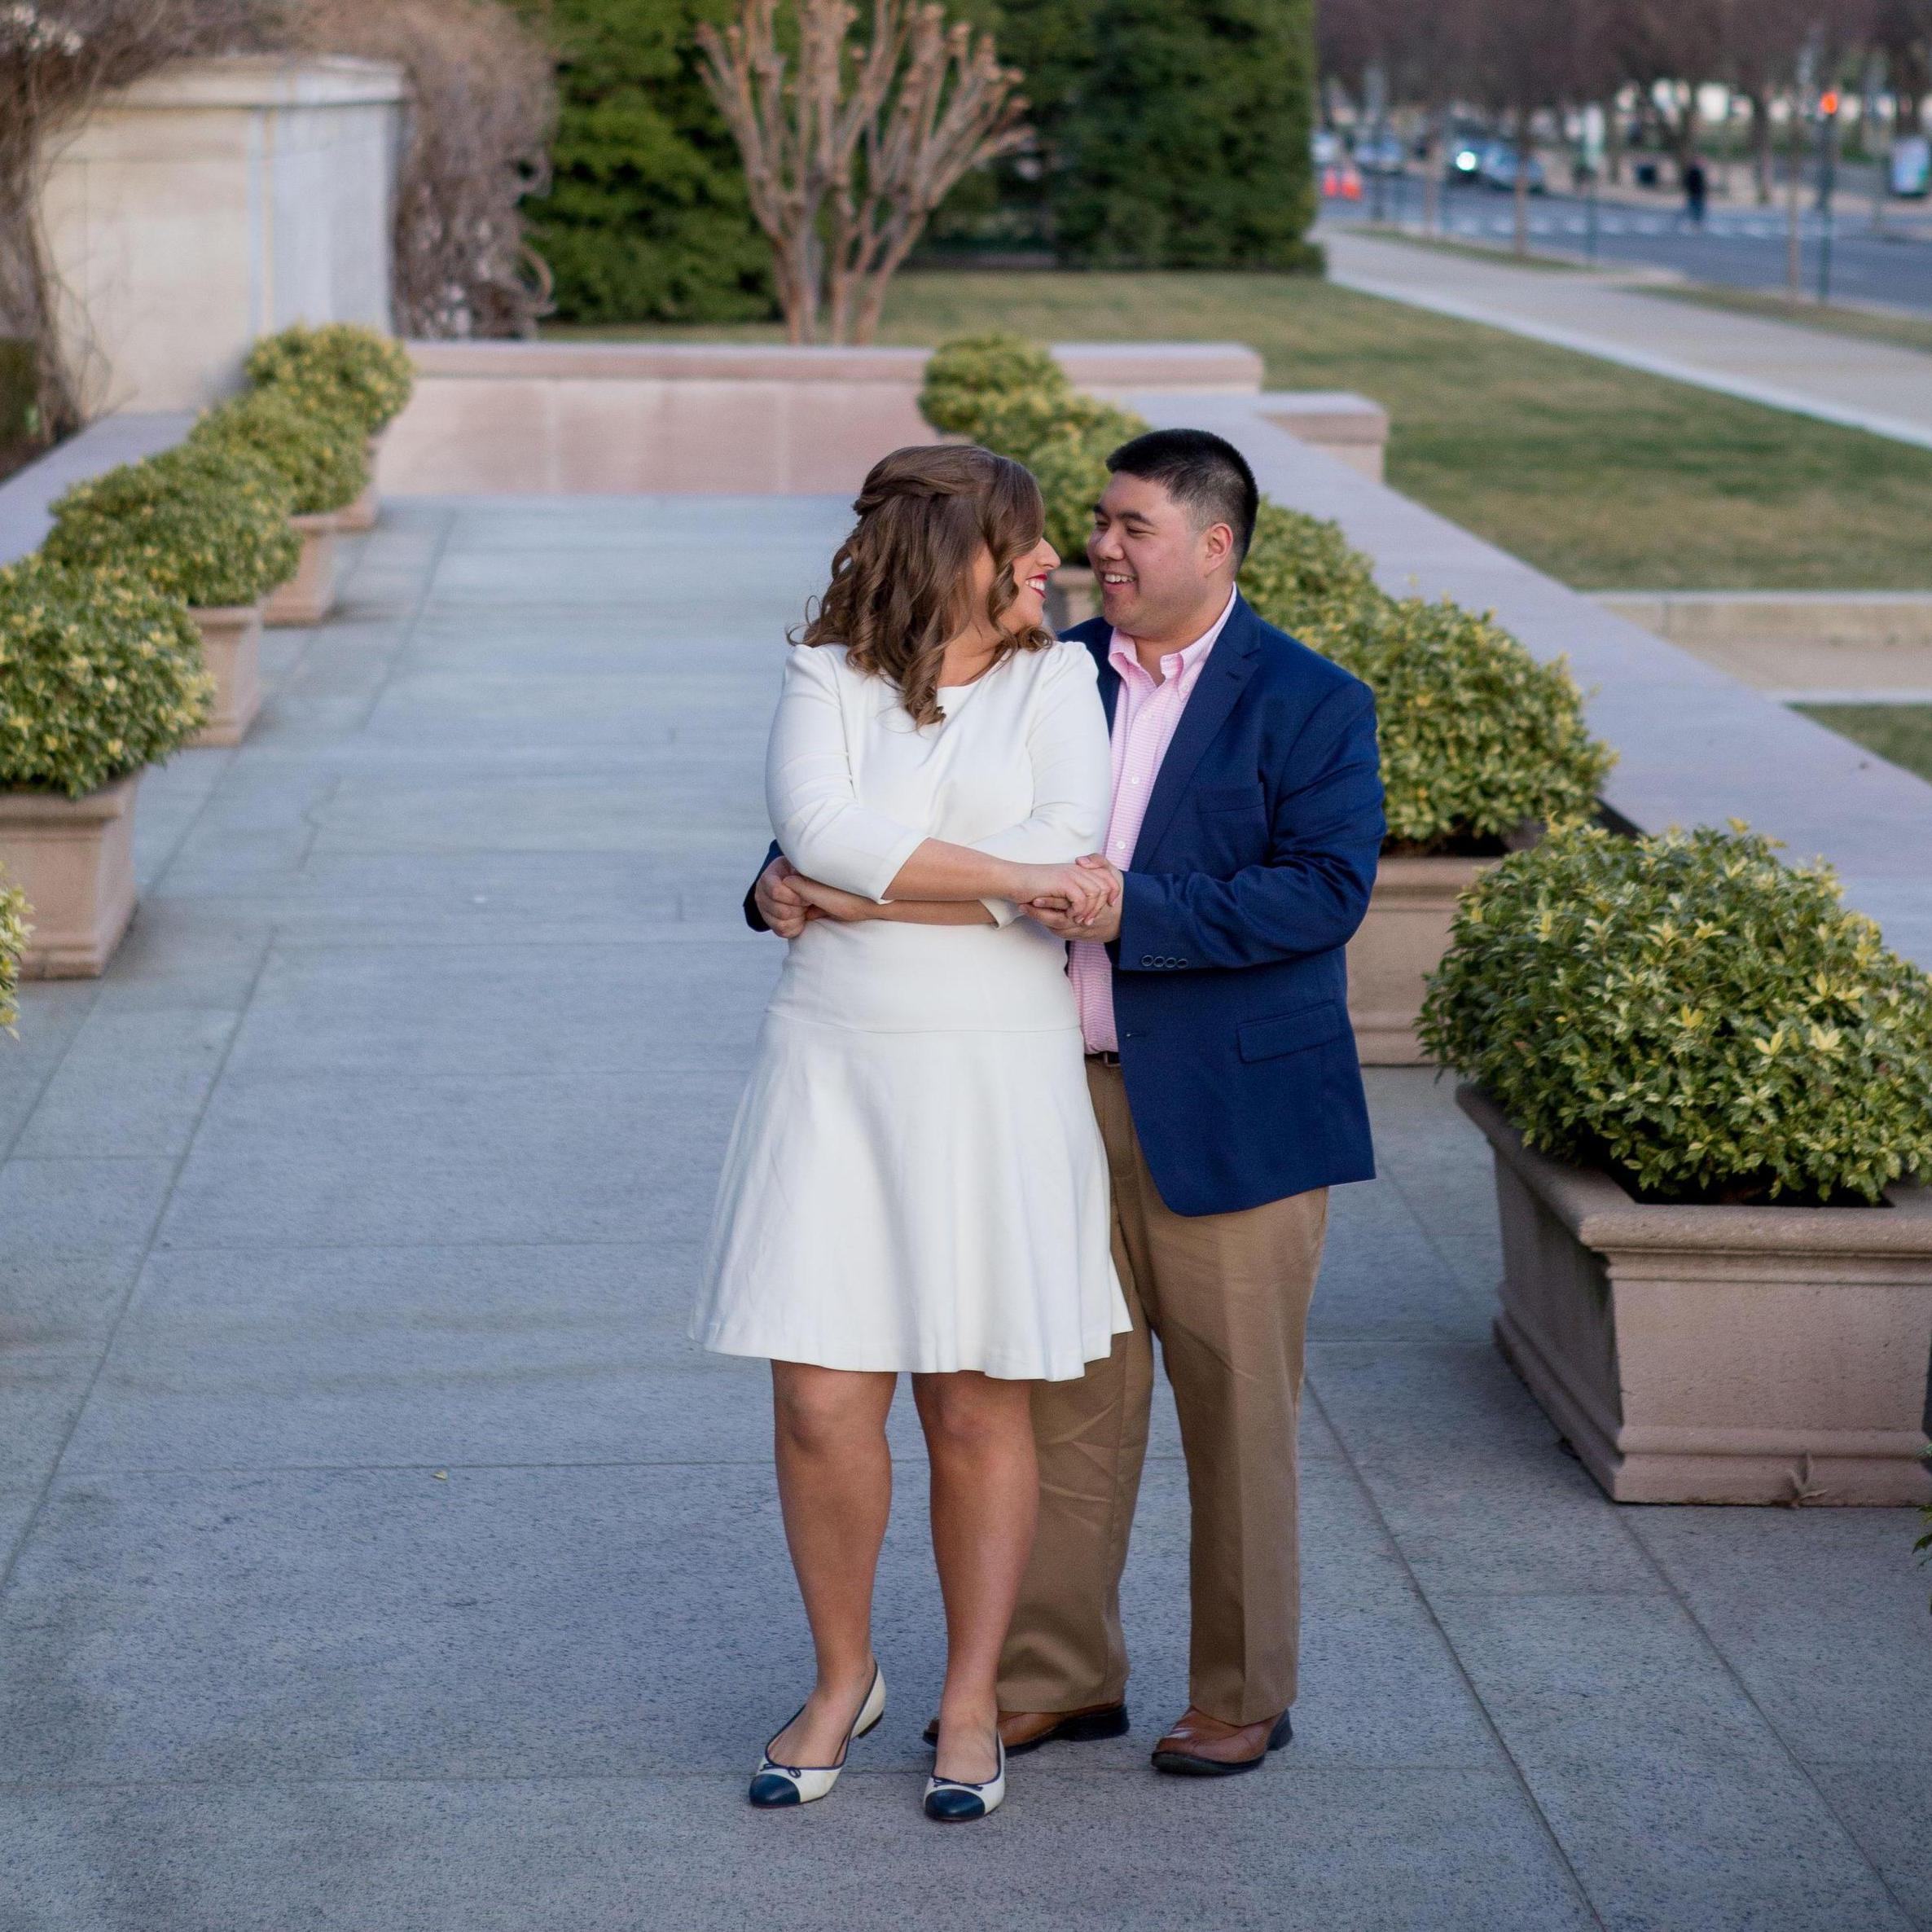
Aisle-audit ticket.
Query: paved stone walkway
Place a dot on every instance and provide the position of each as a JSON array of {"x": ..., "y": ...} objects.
[
  {"x": 384, "y": 1560},
  {"x": 1841, "y": 379}
]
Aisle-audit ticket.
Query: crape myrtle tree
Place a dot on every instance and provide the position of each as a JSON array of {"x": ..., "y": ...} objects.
[
  {"x": 1185, "y": 144},
  {"x": 850, "y": 142}
]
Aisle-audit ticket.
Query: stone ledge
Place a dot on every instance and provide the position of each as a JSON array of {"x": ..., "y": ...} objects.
[{"x": 265, "y": 81}]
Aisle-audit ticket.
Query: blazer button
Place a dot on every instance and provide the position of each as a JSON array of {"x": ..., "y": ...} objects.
[{"x": 1146, "y": 959}]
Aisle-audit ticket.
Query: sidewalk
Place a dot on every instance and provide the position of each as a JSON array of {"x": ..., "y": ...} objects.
[
  {"x": 1839, "y": 379},
  {"x": 385, "y": 1560}
]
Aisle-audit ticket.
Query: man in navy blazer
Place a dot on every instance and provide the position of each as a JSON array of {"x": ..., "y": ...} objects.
[{"x": 1247, "y": 821}]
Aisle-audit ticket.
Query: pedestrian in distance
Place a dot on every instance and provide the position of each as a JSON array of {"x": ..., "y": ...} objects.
[{"x": 1696, "y": 186}]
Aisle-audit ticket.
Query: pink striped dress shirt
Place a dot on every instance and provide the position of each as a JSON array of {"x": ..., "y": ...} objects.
[{"x": 1145, "y": 715}]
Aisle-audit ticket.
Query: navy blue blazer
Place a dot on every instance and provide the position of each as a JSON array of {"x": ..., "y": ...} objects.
[{"x": 1251, "y": 873}]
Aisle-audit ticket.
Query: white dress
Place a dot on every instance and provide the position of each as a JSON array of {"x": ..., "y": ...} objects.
[{"x": 915, "y": 1180}]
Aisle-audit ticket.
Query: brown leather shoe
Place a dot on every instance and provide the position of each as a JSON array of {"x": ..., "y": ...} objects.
[
  {"x": 1201, "y": 1746},
  {"x": 1023, "y": 1731}
]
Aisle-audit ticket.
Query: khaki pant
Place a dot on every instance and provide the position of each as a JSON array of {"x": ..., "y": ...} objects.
[{"x": 1227, "y": 1296}]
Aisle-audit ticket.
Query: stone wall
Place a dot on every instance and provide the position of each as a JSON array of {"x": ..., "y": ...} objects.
[{"x": 214, "y": 202}]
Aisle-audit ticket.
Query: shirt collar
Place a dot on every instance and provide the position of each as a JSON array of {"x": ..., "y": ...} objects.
[{"x": 1185, "y": 664}]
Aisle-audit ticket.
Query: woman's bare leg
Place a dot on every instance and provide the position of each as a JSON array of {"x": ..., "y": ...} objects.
[
  {"x": 985, "y": 1493},
  {"x": 835, "y": 1487}
]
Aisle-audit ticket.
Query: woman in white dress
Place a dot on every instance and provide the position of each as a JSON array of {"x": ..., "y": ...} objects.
[{"x": 914, "y": 1182}]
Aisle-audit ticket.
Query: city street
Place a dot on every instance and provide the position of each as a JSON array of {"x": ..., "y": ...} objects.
[{"x": 1741, "y": 247}]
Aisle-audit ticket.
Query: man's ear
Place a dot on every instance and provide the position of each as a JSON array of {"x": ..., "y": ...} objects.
[{"x": 1217, "y": 546}]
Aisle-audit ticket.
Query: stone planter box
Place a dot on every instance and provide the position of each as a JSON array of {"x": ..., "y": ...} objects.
[
  {"x": 361, "y": 514},
  {"x": 1399, "y": 943},
  {"x": 74, "y": 859},
  {"x": 1717, "y": 1354},
  {"x": 231, "y": 644},
  {"x": 310, "y": 595}
]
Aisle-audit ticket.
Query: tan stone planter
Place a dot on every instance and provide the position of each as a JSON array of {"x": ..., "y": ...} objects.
[
  {"x": 361, "y": 514},
  {"x": 1072, "y": 596},
  {"x": 310, "y": 595},
  {"x": 1397, "y": 946},
  {"x": 74, "y": 859},
  {"x": 1717, "y": 1354},
  {"x": 232, "y": 645}
]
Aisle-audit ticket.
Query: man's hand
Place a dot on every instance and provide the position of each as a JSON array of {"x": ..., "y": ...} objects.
[
  {"x": 780, "y": 903},
  {"x": 1056, "y": 918},
  {"x": 827, "y": 902}
]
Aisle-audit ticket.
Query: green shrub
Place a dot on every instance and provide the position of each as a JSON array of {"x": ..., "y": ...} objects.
[
  {"x": 100, "y": 673},
  {"x": 13, "y": 943},
  {"x": 321, "y": 454},
  {"x": 647, "y": 218},
  {"x": 1072, "y": 474},
  {"x": 1477, "y": 737},
  {"x": 1686, "y": 1009},
  {"x": 197, "y": 524},
  {"x": 964, "y": 376},
  {"x": 1185, "y": 144},
  {"x": 1298, "y": 566},
  {"x": 361, "y": 372}
]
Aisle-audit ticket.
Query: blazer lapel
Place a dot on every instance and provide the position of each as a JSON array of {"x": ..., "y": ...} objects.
[
  {"x": 1109, "y": 678},
  {"x": 1223, "y": 677}
]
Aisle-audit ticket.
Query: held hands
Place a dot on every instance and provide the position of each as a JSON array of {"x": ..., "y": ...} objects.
[{"x": 1083, "y": 902}]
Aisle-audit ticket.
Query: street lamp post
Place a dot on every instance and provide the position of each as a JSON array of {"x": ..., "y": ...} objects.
[{"x": 1828, "y": 147}]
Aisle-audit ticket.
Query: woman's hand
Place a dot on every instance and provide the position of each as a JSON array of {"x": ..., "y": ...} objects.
[
  {"x": 827, "y": 902},
  {"x": 1082, "y": 892}
]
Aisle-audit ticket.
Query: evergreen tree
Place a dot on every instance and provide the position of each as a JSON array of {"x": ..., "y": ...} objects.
[
  {"x": 647, "y": 218},
  {"x": 1185, "y": 143}
]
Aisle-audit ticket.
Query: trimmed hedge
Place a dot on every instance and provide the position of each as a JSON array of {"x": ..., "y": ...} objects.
[
  {"x": 967, "y": 374},
  {"x": 321, "y": 454},
  {"x": 360, "y": 373},
  {"x": 198, "y": 524},
  {"x": 100, "y": 673},
  {"x": 13, "y": 943},
  {"x": 647, "y": 218},
  {"x": 1710, "y": 1023}
]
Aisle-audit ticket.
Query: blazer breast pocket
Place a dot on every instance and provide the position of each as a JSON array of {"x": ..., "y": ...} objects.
[
  {"x": 1214, "y": 800},
  {"x": 1313, "y": 1025}
]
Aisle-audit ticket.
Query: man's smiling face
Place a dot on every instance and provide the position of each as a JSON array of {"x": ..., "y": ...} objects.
[{"x": 1153, "y": 565}]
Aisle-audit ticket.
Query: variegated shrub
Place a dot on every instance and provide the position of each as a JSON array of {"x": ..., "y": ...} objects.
[
  {"x": 1709, "y": 1022},
  {"x": 13, "y": 943},
  {"x": 100, "y": 673},
  {"x": 201, "y": 524},
  {"x": 366, "y": 374},
  {"x": 319, "y": 452}
]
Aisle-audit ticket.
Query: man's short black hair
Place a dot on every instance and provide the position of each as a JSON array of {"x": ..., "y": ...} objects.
[{"x": 1204, "y": 472}]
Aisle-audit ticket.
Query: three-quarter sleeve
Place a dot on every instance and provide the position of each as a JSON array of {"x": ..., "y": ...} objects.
[
  {"x": 1073, "y": 773},
  {"x": 811, "y": 794}
]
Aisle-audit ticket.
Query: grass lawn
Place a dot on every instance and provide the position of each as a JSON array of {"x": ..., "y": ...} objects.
[
  {"x": 1901, "y": 733},
  {"x": 1604, "y": 476}
]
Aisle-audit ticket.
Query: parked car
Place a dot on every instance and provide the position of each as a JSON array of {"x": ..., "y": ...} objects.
[
  {"x": 1462, "y": 153},
  {"x": 1381, "y": 154},
  {"x": 1324, "y": 147},
  {"x": 1497, "y": 168}
]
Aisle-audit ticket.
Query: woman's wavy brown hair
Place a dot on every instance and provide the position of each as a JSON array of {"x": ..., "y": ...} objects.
[{"x": 901, "y": 582}]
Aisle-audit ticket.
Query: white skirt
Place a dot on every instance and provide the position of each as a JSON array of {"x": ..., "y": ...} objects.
[{"x": 914, "y": 1201}]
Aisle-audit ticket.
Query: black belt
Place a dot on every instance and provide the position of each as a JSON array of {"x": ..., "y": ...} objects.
[{"x": 1105, "y": 1058}]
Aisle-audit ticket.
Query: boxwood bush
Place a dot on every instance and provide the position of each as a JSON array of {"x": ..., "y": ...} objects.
[
  {"x": 100, "y": 673},
  {"x": 363, "y": 373},
  {"x": 200, "y": 524},
  {"x": 1710, "y": 1024},
  {"x": 963, "y": 375},
  {"x": 1478, "y": 739},
  {"x": 321, "y": 454},
  {"x": 13, "y": 943}
]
